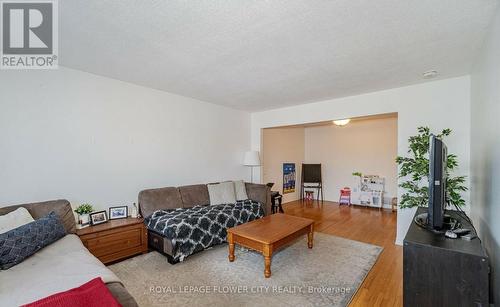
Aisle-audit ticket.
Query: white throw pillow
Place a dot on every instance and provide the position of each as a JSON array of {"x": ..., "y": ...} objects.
[
  {"x": 222, "y": 193},
  {"x": 241, "y": 190},
  {"x": 14, "y": 219}
]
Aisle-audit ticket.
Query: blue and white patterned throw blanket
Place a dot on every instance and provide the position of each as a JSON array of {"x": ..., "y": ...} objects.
[{"x": 197, "y": 228}]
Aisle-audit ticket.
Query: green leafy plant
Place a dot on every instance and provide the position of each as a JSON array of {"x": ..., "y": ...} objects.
[
  {"x": 84, "y": 209},
  {"x": 357, "y": 174},
  {"x": 416, "y": 167}
]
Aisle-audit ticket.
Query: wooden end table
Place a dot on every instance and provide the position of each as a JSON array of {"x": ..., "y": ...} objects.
[
  {"x": 268, "y": 234},
  {"x": 115, "y": 239}
]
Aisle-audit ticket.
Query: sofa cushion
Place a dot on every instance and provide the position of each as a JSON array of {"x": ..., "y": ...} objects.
[
  {"x": 159, "y": 199},
  {"x": 61, "y": 207},
  {"x": 22, "y": 242},
  {"x": 240, "y": 190},
  {"x": 14, "y": 219},
  {"x": 221, "y": 193},
  {"x": 194, "y": 195}
]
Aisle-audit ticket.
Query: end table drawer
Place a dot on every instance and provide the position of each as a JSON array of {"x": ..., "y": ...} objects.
[{"x": 112, "y": 243}]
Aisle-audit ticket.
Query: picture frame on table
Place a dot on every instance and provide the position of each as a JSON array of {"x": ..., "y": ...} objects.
[
  {"x": 118, "y": 212},
  {"x": 98, "y": 217}
]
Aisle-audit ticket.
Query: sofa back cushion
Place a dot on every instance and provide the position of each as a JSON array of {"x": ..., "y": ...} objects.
[
  {"x": 194, "y": 195},
  {"x": 61, "y": 207},
  {"x": 222, "y": 193},
  {"x": 240, "y": 190},
  {"x": 158, "y": 199},
  {"x": 20, "y": 243}
]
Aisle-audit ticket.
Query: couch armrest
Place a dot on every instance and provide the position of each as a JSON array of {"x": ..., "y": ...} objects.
[
  {"x": 121, "y": 294},
  {"x": 260, "y": 193}
]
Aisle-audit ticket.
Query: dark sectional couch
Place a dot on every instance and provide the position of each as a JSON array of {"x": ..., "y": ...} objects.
[{"x": 187, "y": 197}]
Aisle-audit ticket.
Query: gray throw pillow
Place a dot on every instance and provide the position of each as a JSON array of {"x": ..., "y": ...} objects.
[
  {"x": 22, "y": 242},
  {"x": 221, "y": 193},
  {"x": 241, "y": 190}
]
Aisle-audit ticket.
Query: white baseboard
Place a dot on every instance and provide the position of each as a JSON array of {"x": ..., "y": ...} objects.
[{"x": 384, "y": 206}]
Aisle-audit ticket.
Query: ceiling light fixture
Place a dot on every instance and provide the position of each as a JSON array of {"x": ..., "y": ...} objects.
[
  {"x": 430, "y": 74},
  {"x": 342, "y": 122}
]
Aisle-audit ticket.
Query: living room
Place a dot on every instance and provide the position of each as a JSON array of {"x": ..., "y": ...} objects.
[{"x": 122, "y": 152}]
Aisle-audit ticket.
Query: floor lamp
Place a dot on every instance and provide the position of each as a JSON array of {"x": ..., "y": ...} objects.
[{"x": 251, "y": 159}]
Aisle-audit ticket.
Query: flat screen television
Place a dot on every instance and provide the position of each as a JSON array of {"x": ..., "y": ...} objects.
[
  {"x": 437, "y": 182},
  {"x": 435, "y": 218}
]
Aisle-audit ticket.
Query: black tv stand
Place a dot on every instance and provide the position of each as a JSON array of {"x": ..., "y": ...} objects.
[{"x": 438, "y": 271}]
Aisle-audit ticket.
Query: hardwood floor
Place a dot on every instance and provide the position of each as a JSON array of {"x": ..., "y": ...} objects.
[{"x": 384, "y": 284}]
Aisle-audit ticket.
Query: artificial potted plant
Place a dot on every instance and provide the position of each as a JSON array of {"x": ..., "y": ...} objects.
[
  {"x": 83, "y": 212},
  {"x": 415, "y": 168}
]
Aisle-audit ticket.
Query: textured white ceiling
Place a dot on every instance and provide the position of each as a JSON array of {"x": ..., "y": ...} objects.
[{"x": 257, "y": 55}]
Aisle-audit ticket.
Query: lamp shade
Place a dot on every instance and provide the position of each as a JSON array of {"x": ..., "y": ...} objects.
[{"x": 251, "y": 158}]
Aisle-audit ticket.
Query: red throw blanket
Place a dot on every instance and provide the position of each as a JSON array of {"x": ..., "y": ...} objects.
[{"x": 91, "y": 294}]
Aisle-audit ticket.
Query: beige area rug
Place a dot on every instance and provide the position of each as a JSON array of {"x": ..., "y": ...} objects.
[{"x": 327, "y": 275}]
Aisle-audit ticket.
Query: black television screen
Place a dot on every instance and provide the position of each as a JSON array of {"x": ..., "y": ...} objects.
[{"x": 437, "y": 182}]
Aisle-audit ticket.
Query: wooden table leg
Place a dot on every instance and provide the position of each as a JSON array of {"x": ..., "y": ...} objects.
[
  {"x": 310, "y": 236},
  {"x": 231, "y": 246},
  {"x": 267, "y": 251}
]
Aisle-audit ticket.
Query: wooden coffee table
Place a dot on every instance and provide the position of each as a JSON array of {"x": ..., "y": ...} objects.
[{"x": 269, "y": 233}]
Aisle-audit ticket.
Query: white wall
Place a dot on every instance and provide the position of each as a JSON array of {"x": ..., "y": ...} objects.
[
  {"x": 485, "y": 150},
  {"x": 368, "y": 146},
  {"x": 70, "y": 134},
  {"x": 282, "y": 145},
  {"x": 438, "y": 104}
]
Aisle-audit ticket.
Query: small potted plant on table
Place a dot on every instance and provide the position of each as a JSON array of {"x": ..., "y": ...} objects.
[{"x": 83, "y": 215}]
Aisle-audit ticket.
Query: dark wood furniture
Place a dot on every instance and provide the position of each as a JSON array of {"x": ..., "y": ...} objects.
[
  {"x": 276, "y": 200},
  {"x": 115, "y": 239},
  {"x": 438, "y": 271},
  {"x": 269, "y": 233},
  {"x": 275, "y": 196},
  {"x": 311, "y": 179}
]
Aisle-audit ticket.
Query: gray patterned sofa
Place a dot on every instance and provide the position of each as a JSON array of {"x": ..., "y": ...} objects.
[{"x": 173, "y": 211}]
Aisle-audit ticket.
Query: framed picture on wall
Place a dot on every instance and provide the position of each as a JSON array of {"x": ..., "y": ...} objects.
[{"x": 288, "y": 178}]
